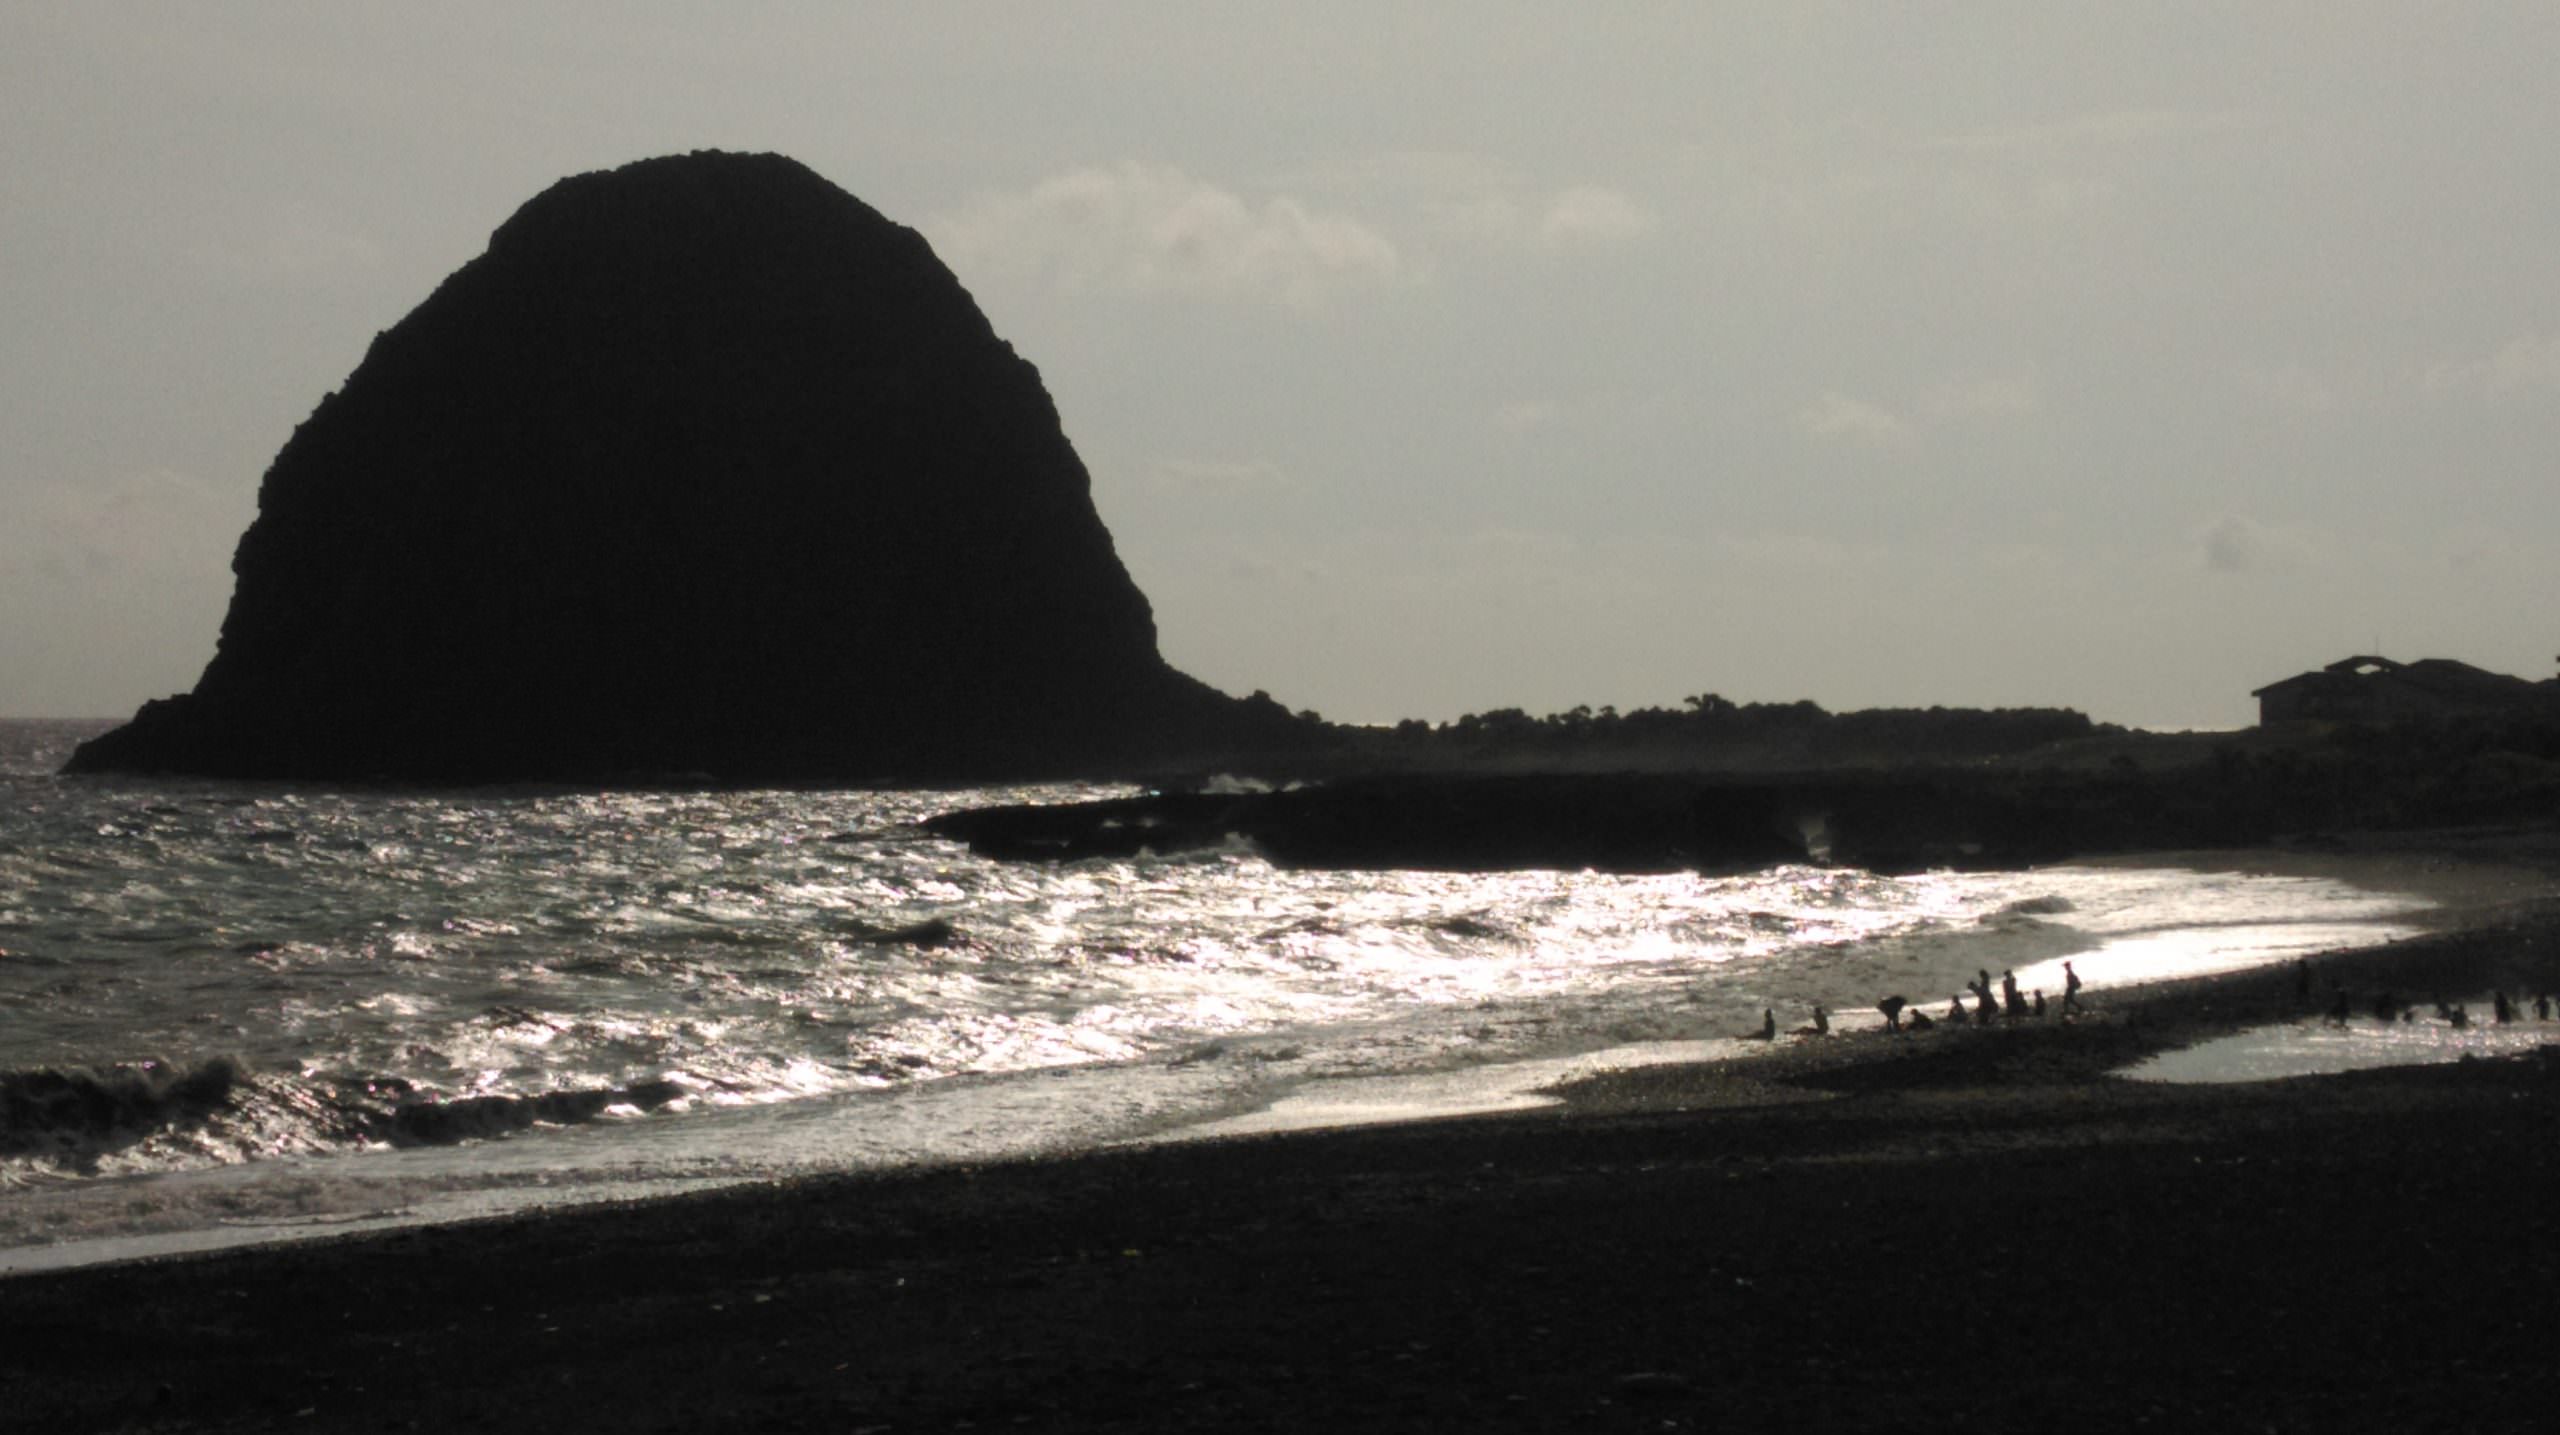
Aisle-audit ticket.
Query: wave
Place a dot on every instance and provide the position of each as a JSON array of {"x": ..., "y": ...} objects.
[
  {"x": 215, "y": 1113},
  {"x": 468, "y": 1118},
  {"x": 69, "y": 1113}
]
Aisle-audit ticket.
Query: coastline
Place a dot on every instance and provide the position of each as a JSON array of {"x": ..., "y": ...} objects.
[
  {"x": 2167, "y": 915},
  {"x": 2465, "y": 891},
  {"x": 1870, "y": 1232}
]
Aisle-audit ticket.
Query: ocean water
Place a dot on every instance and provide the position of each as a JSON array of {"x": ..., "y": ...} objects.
[
  {"x": 233, "y": 1012},
  {"x": 2315, "y": 1046}
]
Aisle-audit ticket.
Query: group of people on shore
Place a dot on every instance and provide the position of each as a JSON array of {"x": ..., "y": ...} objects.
[
  {"x": 2388, "y": 1009},
  {"x": 1900, "y": 1015},
  {"x": 2009, "y": 1004}
]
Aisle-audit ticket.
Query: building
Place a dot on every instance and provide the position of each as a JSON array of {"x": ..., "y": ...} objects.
[{"x": 2371, "y": 689}]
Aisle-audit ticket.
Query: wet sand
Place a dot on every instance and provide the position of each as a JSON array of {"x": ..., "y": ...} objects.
[{"x": 1977, "y": 1229}]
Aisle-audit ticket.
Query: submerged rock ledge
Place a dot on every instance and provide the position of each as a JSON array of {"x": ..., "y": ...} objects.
[
  {"x": 1628, "y": 822},
  {"x": 704, "y": 468}
]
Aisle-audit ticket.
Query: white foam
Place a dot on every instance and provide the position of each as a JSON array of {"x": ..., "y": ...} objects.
[
  {"x": 1501, "y": 1086},
  {"x": 1090, "y": 1003}
]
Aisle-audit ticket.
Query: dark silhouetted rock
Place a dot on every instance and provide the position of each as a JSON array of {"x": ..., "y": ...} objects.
[{"x": 705, "y": 467}]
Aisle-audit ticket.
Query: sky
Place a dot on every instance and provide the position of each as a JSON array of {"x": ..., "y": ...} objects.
[{"x": 1434, "y": 358}]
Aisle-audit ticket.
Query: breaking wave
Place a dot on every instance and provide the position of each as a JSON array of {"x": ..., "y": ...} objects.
[{"x": 160, "y": 1115}]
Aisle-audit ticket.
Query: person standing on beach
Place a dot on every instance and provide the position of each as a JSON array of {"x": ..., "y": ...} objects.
[
  {"x": 2010, "y": 1002},
  {"x": 2070, "y": 990}
]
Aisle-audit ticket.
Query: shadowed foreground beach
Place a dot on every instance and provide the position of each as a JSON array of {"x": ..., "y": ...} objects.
[{"x": 1971, "y": 1229}]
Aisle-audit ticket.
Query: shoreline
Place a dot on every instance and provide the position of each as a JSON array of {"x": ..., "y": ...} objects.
[
  {"x": 2459, "y": 890},
  {"x": 1871, "y": 1232},
  {"x": 2464, "y": 891}
]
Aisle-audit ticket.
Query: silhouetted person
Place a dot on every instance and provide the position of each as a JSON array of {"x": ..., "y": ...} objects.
[
  {"x": 1768, "y": 1025},
  {"x": 2386, "y": 1007},
  {"x": 1892, "y": 1009},
  {"x": 1920, "y": 1020},
  {"x": 1955, "y": 1010},
  {"x": 2338, "y": 1009},
  {"x": 2039, "y": 1003},
  {"x": 2459, "y": 1014},
  {"x": 1820, "y": 1026},
  {"x": 2542, "y": 1006},
  {"x": 2070, "y": 990},
  {"x": 2010, "y": 1002},
  {"x": 2501, "y": 1008}
]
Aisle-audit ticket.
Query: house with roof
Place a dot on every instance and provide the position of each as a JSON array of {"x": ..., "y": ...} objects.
[{"x": 2372, "y": 689}]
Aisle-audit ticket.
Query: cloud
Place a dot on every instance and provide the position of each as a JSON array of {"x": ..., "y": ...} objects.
[
  {"x": 147, "y": 526},
  {"x": 2471, "y": 547},
  {"x": 2103, "y": 127},
  {"x": 1796, "y": 553},
  {"x": 1516, "y": 549},
  {"x": 1590, "y": 216},
  {"x": 1979, "y": 399},
  {"x": 1256, "y": 567},
  {"x": 1470, "y": 199},
  {"x": 2229, "y": 545},
  {"x": 1450, "y": 192},
  {"x": 1152, "y": 229},
  {"x": 2235, "y": 543},
  {"x": 1213, "y": 476},
  {"x": 1971, "y": 401},
  {"x": 291, "y": 243},
  {"x": 2087, "y": 174},
  {"x": 1837, "y": 416},
  {"x": 2528, "y": 365},
  {"x": 1595, "y": 409},
  {"x": 2289, "y": 388}
]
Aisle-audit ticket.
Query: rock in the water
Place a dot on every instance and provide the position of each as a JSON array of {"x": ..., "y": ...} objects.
[{"x": 704, "y": 468}]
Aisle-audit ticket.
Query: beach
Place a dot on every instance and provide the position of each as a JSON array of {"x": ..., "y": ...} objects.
[
  {"x": 236, "y": 1015},
  {"x": 1967, "y": 1228}
]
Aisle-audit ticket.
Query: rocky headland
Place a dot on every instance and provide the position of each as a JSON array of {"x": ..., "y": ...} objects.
[{"x": 704, "y": 470}]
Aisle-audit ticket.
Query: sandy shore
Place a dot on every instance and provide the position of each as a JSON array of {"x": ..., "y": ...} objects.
[{"x": 1977, "y": 1229}]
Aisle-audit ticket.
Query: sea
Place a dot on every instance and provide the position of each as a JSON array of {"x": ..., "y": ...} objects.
[{"x": 236, "y": 1012}]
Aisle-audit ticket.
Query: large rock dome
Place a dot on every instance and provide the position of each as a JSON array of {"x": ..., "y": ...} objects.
[{"x": 705, "y": 467}]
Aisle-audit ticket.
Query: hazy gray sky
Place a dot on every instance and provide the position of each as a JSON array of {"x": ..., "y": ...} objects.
[{"x": 1437, "y": 357}]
